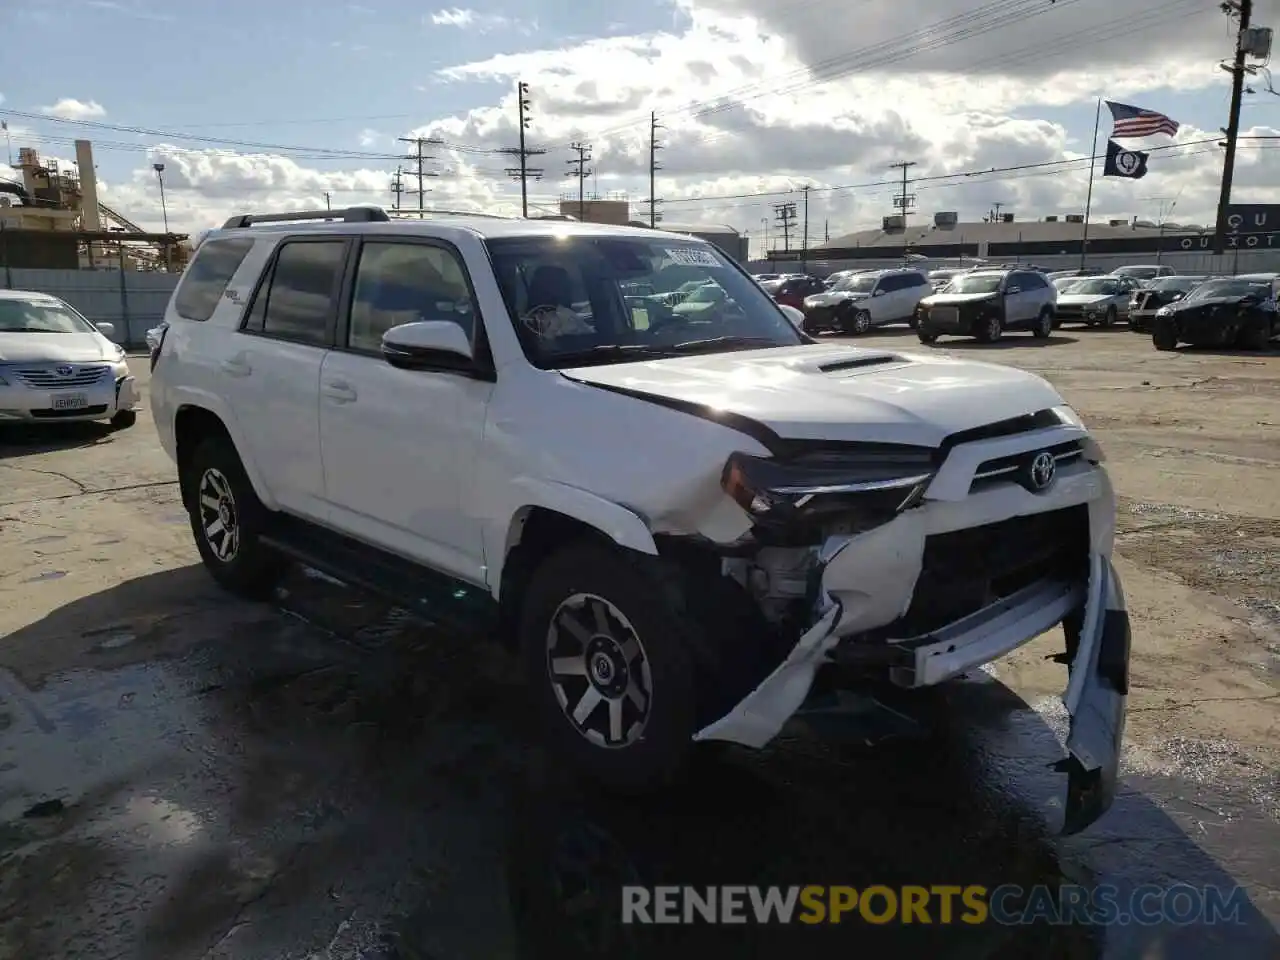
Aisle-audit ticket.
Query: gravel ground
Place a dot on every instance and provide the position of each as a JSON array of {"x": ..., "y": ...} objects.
[{"x": 186, "y": 775}]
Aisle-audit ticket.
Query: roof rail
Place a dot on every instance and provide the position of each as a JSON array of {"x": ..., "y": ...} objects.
[
  {"x": 415, "y": 214},
  {"x": 347, "y": 215}
]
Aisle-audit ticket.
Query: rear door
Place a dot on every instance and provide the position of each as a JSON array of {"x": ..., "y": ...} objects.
[{"x": 272, "y": 374}]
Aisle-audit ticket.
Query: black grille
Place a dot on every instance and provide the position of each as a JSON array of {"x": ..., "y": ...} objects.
[
  {"x": 61, "y": 414},
  {"x": 967, "y": 570}
]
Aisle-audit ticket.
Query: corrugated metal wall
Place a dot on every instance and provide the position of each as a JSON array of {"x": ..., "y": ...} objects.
[{"x": 132, "y": 301}]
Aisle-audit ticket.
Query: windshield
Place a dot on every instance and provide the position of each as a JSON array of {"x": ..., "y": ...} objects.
[
  {"x": 41, "y": 316},
  {"x": 937, "y": 275},
  {"x": 1230, "y": 288},
  {"x": 567, "y": 297},
  {"x": 1066, "y": 283},
  {"x": 1099, "y": 287},
  {"x": 976, "y": 283},
  {"x": 856, "y": 284},
  {"x": 1140, "y": 273},
  {"x": 1173, "y": 284}
]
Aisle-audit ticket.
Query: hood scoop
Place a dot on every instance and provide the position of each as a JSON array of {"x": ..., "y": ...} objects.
[{"x": 855, "y": 363}]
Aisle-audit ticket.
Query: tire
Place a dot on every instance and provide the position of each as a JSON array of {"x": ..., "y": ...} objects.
[
  {"x": 1109, "y": 318},
  {"x": 1163, "y": 338},
  {"x": 221, "y": 498},
  {"x": 1259, "y": 338},
  {"x": 991, "y": 330},
  {"x": 913, "y": 321},
  {"x": 1043, "y": 328},
  {"x": 926, "y": 336},
  {"x": 860, "y": 323},
  {"x": 124, "y": 419},
  {"x": 636, "y": 655}
]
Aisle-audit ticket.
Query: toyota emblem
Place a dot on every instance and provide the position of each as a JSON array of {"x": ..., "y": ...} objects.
[
  {"x": 1043, "y": 468},
  {"x": 65, "y": 370}
]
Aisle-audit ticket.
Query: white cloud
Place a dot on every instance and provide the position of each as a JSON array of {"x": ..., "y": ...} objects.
[
  {"x": 465, "y": 18},
  {"x": 68, "y": 108},
  {"x": 829, "y": 98}
]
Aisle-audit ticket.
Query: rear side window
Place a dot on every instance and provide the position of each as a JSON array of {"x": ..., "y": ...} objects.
[
  {"x": 297, "y": 301},
  {"x": 207, "y": 277}
]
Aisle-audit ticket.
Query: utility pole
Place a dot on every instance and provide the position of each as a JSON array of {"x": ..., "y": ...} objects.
[
  {"x": 578, "y": 166},
  {"x": 397, "y": 187},
  {"x": 804, "y": 243},
  {"x": 654, "y": 167},
  {"x": 420, "y": 158},
  {"x": 904, "y": 201},
  {"x": 826, "y": 231},
  {"x": 328, "y": 197},
  {"x": 995, "y": 210},
  {"x": 524, "y": 173},
  {"x": 785, "y": 214},
  {"x": 1244, "y": 8}
]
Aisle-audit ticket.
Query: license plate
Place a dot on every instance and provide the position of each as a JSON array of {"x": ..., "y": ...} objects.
[{"x": 70, "y": 401}]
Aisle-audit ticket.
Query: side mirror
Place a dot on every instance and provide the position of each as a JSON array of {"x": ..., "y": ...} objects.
[
  {"x": 108, "y": 330},
  {"x": 427, "y": 345},
  {"x": 1176, "y": 296},
  {"x": 878, "y": 293},
  {"x": 1013, "y": 289}
]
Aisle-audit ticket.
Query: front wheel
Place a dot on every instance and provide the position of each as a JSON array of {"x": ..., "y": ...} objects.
[
  {"x": 859, "y": 323},
  {"x": 1109, "y": 318},
  {"x": 124, "y": 419},
  {"x": 1164, "y": 338},
  {"x": 1044, "y": 325},
  {"x": 608, "y": 667},
  {"x": 1256, "y": 338},
  {"x": 990, "y": 329}
]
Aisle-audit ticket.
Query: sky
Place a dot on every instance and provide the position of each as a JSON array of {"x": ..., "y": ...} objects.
[{"x": 756, "y": 99}]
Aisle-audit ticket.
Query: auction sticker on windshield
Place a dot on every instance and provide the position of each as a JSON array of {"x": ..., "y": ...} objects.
[{"x": 692, "y": 257}]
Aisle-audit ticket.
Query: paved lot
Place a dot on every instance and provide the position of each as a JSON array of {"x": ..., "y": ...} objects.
[{"x": 186, "y": 775}]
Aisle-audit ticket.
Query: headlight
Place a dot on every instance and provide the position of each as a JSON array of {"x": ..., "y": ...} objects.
[
  {"x": 858, "y": 488},
  {"x": 1164, "y": 312}
]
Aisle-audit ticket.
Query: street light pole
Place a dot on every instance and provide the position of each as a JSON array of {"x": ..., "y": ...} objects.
[{"x": 164, "y": 210}]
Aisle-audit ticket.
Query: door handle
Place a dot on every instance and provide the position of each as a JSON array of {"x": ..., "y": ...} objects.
[
  {"x": 237, "y": 367},
  {"x": 339, "y": 391}
]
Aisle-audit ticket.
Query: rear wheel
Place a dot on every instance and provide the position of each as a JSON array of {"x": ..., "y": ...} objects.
[
  {"x": 1044, "y": 325},
  {"x": 228, "y": 520},
  {"x": 1257, "y": 337},
  {"x": 608, "y": 667}
]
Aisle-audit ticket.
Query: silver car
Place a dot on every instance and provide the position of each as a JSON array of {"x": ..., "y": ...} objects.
[
  {"x": 57, "y": 366},
  {"x": 1096, "y": 301}
]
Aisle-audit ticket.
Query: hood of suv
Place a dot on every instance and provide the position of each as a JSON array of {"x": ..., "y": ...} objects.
[
  {"x": 955, "y": 299},
  {"x": 820, "y": 392},
  {"x": 832, "y": 297},
  {"x": 1087, "y": 299},
  {"x": 55, "y": 347}
]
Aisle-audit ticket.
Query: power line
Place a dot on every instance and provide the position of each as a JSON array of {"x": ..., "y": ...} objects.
[
  {"x": 522, "y": 153},
  {"x": 420, "y": 158},
  {"x": 579, "y": 169}
]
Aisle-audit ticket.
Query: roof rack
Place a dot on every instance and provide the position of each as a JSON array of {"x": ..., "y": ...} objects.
[
  {"x": 346, "y": 215},
  {"x": 415, "y": 214}
]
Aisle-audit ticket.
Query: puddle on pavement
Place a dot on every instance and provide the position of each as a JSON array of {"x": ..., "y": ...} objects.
[{"x": 50, "y": 575}]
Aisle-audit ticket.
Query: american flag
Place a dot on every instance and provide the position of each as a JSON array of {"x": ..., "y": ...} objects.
[{"x": 1135, "y": 122}]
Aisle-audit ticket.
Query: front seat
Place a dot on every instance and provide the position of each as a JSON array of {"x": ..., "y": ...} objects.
[{"x": 551, "y": 286}]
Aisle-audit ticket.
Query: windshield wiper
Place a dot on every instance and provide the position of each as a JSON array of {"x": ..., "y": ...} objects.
[
  {"x": 607, "y": 351},
  {"x": 713, "y": 343}
]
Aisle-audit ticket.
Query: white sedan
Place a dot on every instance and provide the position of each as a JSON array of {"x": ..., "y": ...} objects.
[{"x": 57, "y": 366}]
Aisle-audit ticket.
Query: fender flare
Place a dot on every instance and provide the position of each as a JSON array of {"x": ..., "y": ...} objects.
[
  {"x": 214, "y": 404},
  {"x": 623, "y": 526}
]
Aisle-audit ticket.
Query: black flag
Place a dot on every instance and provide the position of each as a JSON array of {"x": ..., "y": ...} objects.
[{"x": 1131, "y": 164}]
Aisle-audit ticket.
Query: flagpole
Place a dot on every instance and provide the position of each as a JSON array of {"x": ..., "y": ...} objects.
[{"x": 1088, "y": 203}]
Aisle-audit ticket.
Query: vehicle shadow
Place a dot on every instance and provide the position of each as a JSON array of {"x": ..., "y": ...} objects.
[
  {"x": 326, "y": 776},
  {"x": 1273, "y": 349},
  {"x": 25, "y": 439},
  {"x": 1015, "y": 340}
]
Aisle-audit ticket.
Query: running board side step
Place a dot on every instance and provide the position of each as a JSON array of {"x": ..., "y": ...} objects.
[{"x": 427, "y": 593}]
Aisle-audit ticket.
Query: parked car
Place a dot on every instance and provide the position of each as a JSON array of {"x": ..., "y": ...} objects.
[
  {"x": 793, "y": 290},
  {"x": 767, "y": 276},
  {"x": 865, "y": 300},
  {"x": 1229, "y": 311},
  {"x": 940, "y": 278},
  {"x": 1144, "y": 271},
  {"x": 1056, "y": 275},
  {"x": 1157, "y": 293},
  {"x": 986, "y": 303},
  {"x": 676, "y": 522},
  {"x": 1096, "y": 301},
  {"x": 57, "y": 366}
]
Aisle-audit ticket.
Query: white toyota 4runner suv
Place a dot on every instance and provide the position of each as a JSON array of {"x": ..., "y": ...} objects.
[{"x": 686, "y": 522}]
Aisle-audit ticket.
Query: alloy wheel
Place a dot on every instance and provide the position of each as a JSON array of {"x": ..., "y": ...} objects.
[
  {"x": 599, "y": 671},
  {"x": 218, "y": 518}
]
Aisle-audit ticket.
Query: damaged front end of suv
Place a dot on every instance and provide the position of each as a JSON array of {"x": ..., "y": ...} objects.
[{"x": 913, "y": 565}]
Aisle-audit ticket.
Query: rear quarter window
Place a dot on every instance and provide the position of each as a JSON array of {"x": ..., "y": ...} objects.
[{"x": 207, "y": 277}]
